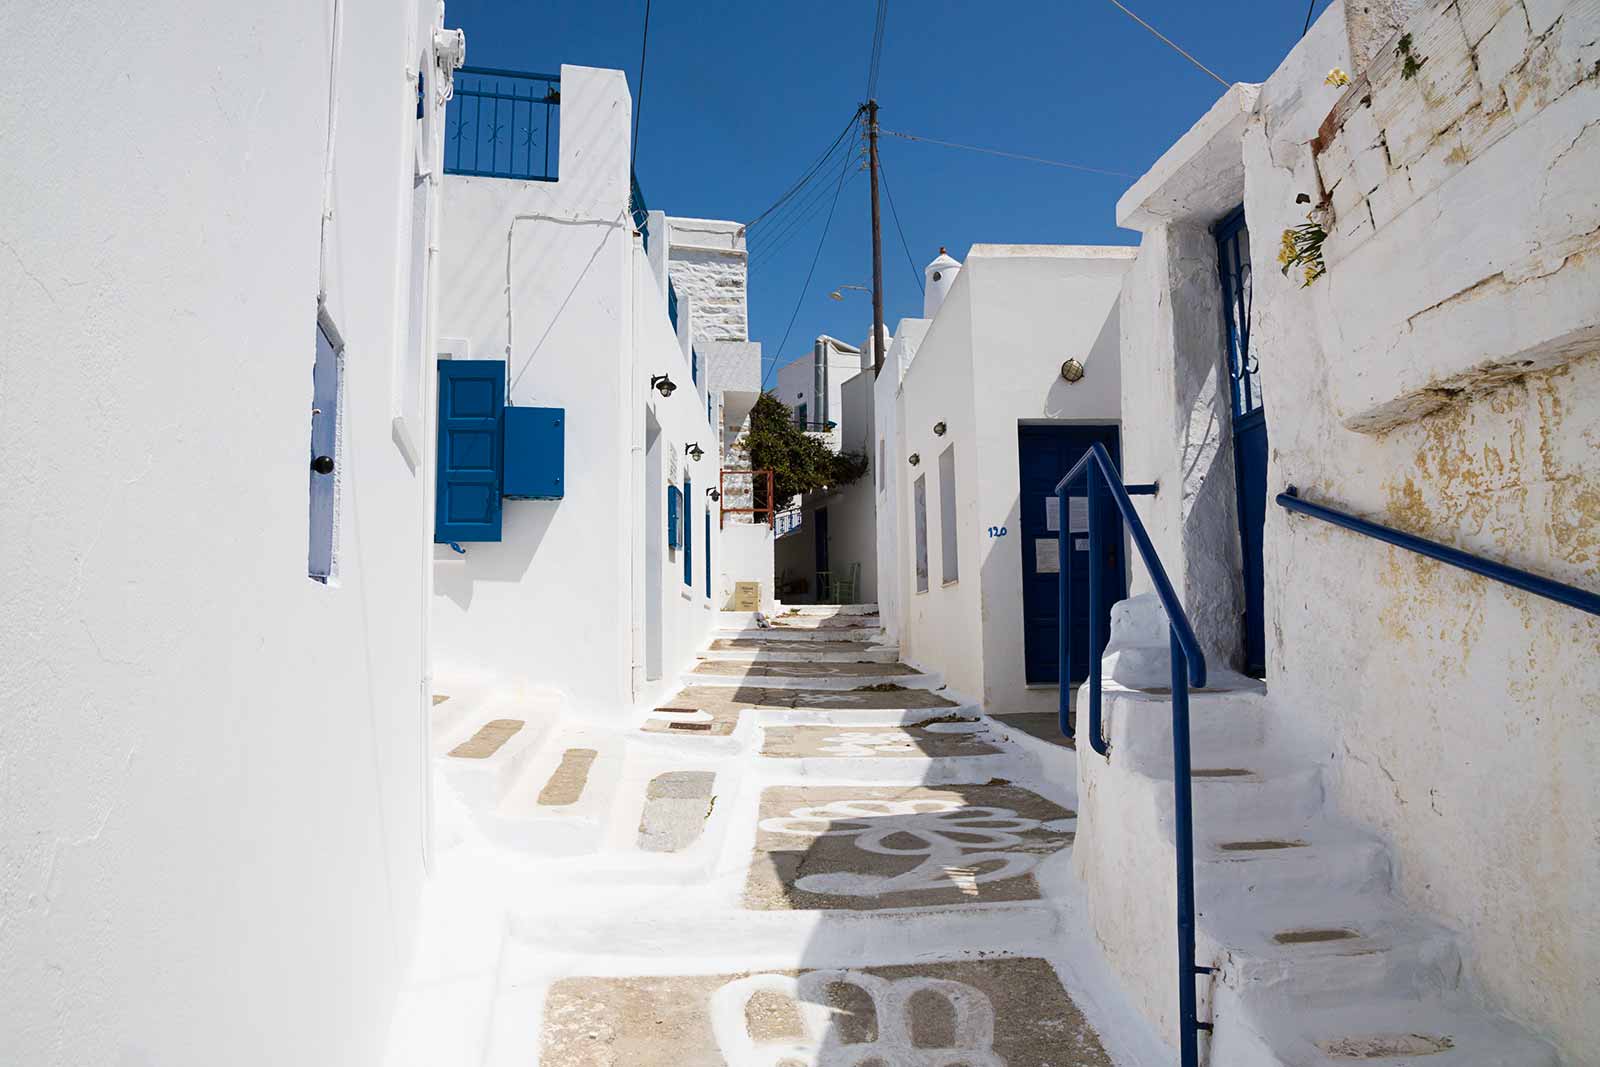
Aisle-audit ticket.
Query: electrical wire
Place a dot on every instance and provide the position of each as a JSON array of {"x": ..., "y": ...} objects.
[
  {"x": 912, "y": 263},
  {"x": 779, "y": 221},
  {"x": 791, "y": 224},
  {"x": 809, "y": 174},
  {"x": 843, "y": 174},
  {"x": 638, "y": 105},
  {"x": 1171, "y": 44},
  {"x": 877, "y": 49},
  {"x": 1006, "y": 155},
  {"x": 771, "y": 255},
  {"x": 1312, "y": 10}
]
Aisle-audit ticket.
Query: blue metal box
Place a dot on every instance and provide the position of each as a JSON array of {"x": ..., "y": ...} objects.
[{"x": 535, "y": 453}]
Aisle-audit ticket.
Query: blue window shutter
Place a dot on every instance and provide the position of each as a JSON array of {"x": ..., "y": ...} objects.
[
  {"x": 688, "y": 532},
  {"x": 674, "y": 503},
  {"x": 324, "y": 443},
  {"x": 694, "y": 366},
  {"x": 708, "y": 551},
  {"x": 471, "y": 450}
]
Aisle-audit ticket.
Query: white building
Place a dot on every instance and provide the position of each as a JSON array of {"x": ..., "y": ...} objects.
[
  {"x": 596, "y": 597},
  {"x": 1418, "y": 750},
  {"x": 1012, "y": 372},
  {"x": 214, "y": 825}
]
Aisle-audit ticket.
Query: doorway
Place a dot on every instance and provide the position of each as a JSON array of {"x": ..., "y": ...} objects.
[
  {"x": 823, "y": 577},
  {"x": 1249, "y": 430},
  {"x": 1044, "y": 454}
]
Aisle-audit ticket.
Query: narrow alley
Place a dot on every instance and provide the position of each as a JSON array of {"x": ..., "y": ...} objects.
[{"x": 808, "y": 855}]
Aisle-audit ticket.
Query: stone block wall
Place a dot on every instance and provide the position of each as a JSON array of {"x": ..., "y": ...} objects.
[{"x": 707, "y": 264}]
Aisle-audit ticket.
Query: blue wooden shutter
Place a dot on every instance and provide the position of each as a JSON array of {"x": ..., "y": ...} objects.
[
  {"x": 708, "y": 551},
  {"x": 471, "y": 401},
  {"x": 688, "y": 532},
  {"x": 674, "y": 506},
  {"x": 324, "y": 443}
]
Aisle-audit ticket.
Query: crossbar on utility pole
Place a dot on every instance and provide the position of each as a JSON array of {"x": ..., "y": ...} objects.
[{"x": 877, "y": 241}]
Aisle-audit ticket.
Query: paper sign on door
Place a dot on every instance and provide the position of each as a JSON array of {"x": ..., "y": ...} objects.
[{"x": 1046, "y": 555}]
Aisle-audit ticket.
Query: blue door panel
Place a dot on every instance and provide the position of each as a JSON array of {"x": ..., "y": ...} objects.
[
  {"x": 324, "y": 439},
  {"x": 1044, "y": 454},
  {"x": 471, "y": 402}
]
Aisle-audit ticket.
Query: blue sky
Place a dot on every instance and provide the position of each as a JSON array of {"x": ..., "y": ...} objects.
[{"x": 741, "y": 96}]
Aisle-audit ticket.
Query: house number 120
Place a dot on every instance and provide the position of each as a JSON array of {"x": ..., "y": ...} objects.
[{"x": 997, "y": 531}]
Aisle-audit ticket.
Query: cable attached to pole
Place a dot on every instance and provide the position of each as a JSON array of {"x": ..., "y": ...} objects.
[{"x": 1172, "y": 44}]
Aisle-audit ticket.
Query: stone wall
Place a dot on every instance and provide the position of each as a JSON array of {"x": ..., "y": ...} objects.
[{"x": 707, "y": 263}]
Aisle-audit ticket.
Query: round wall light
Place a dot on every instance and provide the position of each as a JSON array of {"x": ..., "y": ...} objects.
[
  {"x": 915, "y": 459},
  {"x": 1072, "y": 370},
  {"x": 939, "y": 428}
]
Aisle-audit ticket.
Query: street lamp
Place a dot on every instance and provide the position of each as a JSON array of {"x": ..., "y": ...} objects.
[{"x": 838, "y": 294}]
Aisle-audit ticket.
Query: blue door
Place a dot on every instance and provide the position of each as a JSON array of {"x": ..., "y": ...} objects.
[
  {"x": 1249, "y": 429},
  {"x": 822, "y": 555},
  {"x": 1044, "y": 454},
  {"x": 472, "y": 396}
]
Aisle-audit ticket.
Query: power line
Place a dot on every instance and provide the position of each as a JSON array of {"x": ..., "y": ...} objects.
[
  {"x": 1007, "y": 155},
  {"x": 877, "y": 49},
  {"x": 912, "y": 263},
  {"x": 1309, "y": 12},
  {"x": 1171, "y": 44},
  {"x": 801, "y": 206},
  {"x": 638, "y": 105},
  {"x": 810, "y": 173},
  {"x": 844, "y": 172},
  {"x": 769, "y": 251}
]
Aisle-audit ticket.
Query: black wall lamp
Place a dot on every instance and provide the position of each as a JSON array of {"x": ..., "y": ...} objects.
[
  {"x": 695, "y": 451},
  {"x": 915, "y": 459},
  {"x": 662, "y": 384},
  {"x": 714, "y": 494},
  {"x": 938, "y": 429}
]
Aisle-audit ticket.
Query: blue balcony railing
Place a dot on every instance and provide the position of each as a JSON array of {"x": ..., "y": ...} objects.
[
  {"x": 638, "y": 211},
  {"x": 503, "y": 124}
]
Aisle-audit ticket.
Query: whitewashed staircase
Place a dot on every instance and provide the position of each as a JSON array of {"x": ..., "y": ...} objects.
[{"x": 1319, "y": 963}]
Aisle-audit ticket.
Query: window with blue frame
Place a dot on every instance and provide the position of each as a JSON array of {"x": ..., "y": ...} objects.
[
  {"x": 688, "y": 527},
  {"x": 708, "y": 551},
  {"x": 694, "y": 366},
  {"x": 1233, "y": 262},
  {"x": 674, "y": 517}
]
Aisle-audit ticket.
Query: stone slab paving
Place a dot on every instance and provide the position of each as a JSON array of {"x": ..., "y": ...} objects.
[
  {"x": 725, "y": 703},
  {"x": 975, "y": 1013},
  {"x": 731, "y": 669},
  {"x": 1045, "y": 725},
  {"x": 487, "y": 741},
  {"x": 676, "y": 807},
  {"x": 864, "y": 848},
  {"x": 937, "y": 739},
  {"x": 567, "y": 781}
]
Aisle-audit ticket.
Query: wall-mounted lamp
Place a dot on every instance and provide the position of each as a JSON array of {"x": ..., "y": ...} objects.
[
  {"x": 939, "y": 428},
  {"x": 1072, "y": 370},
  {"x": 695, "y": 451},
  {"x": 915, "y": 459},
  {"x": 662, "y": 384},
  {"x": 714, "y": 494}
]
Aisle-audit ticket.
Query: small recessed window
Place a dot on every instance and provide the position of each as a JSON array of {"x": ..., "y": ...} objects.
[
  {"x": 947, "y": 515},
  {"x": 919, "y": 507}
]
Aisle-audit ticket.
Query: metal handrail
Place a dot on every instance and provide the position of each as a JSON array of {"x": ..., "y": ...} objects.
[
  {"x": 1550, "y": 589},
  {"x": 511, "y": 114},
  {"x": 1188, "y": 669}
]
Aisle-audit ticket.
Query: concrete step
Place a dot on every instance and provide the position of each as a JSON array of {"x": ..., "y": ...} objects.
[
  {"x": 1432, "y": 1032},
  {"x": 864, "y": 634},
  {"x": 1238, "y": 865},
  {"x": 829, "y": 676},
  {"x": 739, "y": 650},
  {"x": 1225, "y": 727},
  {"x": 1325, "y": 949},
  {"x": 826, "y": 610}
]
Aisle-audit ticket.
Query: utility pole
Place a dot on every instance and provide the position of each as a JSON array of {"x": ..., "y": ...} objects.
[{"x": 877, "y": 242}]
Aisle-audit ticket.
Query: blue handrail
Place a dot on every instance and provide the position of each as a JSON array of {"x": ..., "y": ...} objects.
[
  {"x": 1569, "y": 595},
  {"x": 503, "y": 124},
  {"x": 1188, "y": 669}
]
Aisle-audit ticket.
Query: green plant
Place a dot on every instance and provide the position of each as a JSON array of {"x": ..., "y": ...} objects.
[
  {"x": 1302, "y": 247},
  {"x": 800, "y": 463},
  {"x": 1410, "y": 61}
]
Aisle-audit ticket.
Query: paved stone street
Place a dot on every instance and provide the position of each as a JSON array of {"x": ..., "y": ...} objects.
[{"x": 777, "y": 874}]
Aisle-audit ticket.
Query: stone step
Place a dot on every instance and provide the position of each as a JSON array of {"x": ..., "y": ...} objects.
[
  {"x": 740, "y": 650},
  {"x": 1433, "y": 1032},
  {"x": 1325, "y": 949},
  {"x": 864, "y": 634},
  {"x": 825, "y": 610},
  {"x": 1239, "y": 864},
  {"x": 1225, "y": 727},
  {"x": 841, "y": 676}
]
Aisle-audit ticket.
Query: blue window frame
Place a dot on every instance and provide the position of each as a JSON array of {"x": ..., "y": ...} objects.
[{"x": 688, "y": 531}]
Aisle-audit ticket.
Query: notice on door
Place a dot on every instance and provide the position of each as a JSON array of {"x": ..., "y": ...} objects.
[
  {"x": 1052, "y": 513},
  {"x": 1078, "y": 514},
  {"x": 1046, "y": 555}
]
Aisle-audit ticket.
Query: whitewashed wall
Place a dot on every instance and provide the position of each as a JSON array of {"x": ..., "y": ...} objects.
[
  {"x": 708, "y": 265},
  {"x": 559, "y": 602},
  {"x": 991, "y": 361},
  {"x": 212, "y": 801},
  {"x": 888, "y": 473},
  {"x": 1441, "y": 378}
]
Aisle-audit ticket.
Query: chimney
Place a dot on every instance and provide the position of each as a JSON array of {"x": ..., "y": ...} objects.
[{"x": 941, "y": 275}]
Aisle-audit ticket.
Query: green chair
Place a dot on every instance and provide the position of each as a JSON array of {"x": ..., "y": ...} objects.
[{"x": 845, "y": 587}]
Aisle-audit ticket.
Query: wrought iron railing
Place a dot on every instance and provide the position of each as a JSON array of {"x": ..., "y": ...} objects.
[
  {"x": 1188, "y": 669},
  {"x": 817, "y": 427},
  {"x": 503, "y": 124},
  {"x": 1548, "y": 588},
  {"x": 737, "y": 486}
]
